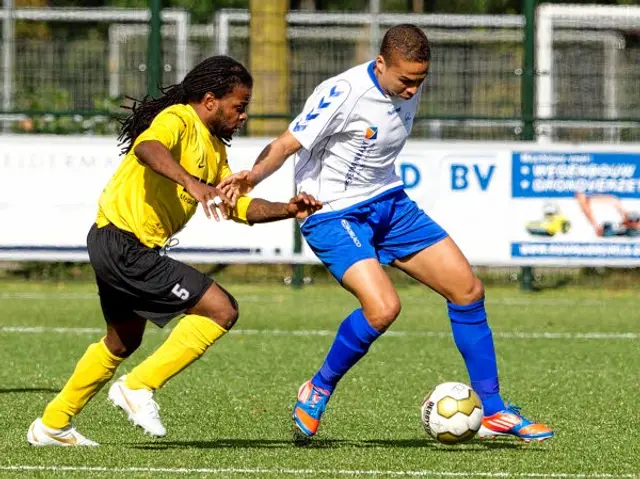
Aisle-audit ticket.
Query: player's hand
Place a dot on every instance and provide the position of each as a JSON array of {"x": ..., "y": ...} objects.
[
  {"x": 211, "y": 199},
  {"x": 303, "y": 205},
  {"x": 237, "y": 185}
]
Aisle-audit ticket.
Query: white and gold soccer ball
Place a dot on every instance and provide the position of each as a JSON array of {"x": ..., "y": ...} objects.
[{"x": 452, "y": 413}]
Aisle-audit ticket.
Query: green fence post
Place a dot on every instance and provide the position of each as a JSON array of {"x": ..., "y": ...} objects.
[
  {"x": 527, "y": 89},
  {"x": 526, "y": 278},
  {"x": 298, "y": 269},
  {"x": 527, "y": 101},
  {"x": 154, "y": 50}
]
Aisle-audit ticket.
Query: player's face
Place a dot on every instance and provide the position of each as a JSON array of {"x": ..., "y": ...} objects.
[
  {"x": 230, "y": 112},
  {"x": 401, "y": 78}
]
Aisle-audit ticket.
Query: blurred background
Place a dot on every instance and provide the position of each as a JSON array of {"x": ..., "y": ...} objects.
[
  {"x": 502, "y": 70},
  {"x": 67, "y": 63},
  {"x": 527, "y": 105}
]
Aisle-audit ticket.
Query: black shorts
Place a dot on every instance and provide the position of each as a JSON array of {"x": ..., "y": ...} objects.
[{"x": 133, "y": 278}]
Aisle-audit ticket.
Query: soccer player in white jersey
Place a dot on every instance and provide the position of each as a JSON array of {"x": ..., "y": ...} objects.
[{"x": 345, "y": 142}]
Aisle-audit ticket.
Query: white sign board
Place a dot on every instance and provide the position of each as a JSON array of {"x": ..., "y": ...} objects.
[
  {"x": 503, "y": 203},
  {"x": 520, "y": 203},
  {"x": 49, "y": 190}
]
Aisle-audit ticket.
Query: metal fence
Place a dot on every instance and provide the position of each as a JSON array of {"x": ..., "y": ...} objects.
[{"x": 70, "y": 69}]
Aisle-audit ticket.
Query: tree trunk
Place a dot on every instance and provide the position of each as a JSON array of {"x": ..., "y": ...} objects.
[{"x": 269, "y": 65}]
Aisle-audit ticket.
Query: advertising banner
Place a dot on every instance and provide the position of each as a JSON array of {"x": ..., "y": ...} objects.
[
  {"x": 49, "y": 190},
  {"x": 580, "y": 205},
  {"x": 528, "y": 204},
  {"x": 503, "y": 203}
]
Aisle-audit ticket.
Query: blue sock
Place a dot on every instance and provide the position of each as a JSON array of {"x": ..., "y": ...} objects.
[
  {"x": 352, "y": 342},
  {"x": 472, "y": 335}
]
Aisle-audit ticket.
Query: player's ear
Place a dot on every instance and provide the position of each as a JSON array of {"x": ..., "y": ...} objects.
[
  {"x": 210, "y": 101},
  {"x": 381, "y": 65}
]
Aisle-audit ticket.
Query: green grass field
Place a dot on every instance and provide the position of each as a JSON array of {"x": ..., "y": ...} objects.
[{"x": 570, "y": 357}]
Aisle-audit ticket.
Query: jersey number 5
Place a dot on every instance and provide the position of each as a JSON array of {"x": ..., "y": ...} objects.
[{"x": 180, "y": 292}]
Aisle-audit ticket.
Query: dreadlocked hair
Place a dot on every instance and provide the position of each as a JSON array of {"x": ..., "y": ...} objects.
[{"x": 217, "y": 74}]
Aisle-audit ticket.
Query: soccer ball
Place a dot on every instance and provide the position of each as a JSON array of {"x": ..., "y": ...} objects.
[{"x": 452, "y": 413}]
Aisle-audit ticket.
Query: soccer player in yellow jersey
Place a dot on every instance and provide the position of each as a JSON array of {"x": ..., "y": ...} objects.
[{"x": 175, "y": 155}]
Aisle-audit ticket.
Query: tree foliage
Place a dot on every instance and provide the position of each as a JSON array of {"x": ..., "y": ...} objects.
[{"x": 201, "y": 12}]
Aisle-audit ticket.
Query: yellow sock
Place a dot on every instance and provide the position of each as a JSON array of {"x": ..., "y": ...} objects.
[
  {"x": 187, "y": 342},
  {"x": 93, "y": 371}
]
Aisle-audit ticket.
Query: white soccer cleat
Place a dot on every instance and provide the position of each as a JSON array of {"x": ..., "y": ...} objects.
[
  {"x": 139, "y": 406},
  {"x": 41, "y": 435}
]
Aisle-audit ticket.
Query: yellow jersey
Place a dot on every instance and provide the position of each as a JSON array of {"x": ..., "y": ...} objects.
[{"x": 152, "y": 207}]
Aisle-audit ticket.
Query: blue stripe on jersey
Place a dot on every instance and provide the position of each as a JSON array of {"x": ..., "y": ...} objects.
[{"x": 373, "y": 77}]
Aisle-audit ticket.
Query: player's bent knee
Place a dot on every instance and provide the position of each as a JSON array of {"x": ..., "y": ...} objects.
[
  {"x": 477, "y": 292},
  {"x": 470, "y": 293},
  {"x": 229, "y": 317},
  {"x": 383, "y": 314},
  {"x": 229, "y": 314},
  {"x": 225, "y": 315},
  {"x": 222, "y": 309},
  {"x": 122, "y": 348}
]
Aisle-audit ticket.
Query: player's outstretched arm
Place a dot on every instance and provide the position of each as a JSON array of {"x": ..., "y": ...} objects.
[
  {"x": 158, "y": 157},
  {"x": 269, "y": 161},
  {"x": 273, "y": 156},
  {"x": 300, "y": 206}
]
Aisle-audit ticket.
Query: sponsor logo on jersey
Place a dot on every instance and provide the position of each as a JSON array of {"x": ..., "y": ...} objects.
[{"x": 369, "y": 140}]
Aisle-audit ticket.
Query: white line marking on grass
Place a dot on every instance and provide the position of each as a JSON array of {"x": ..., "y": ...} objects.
[
  {"x": 566, "y": 302},
  {"x": 94, "y": 296},
  {"x": 443, "y": 334},
  {"x": 315, "y": 472},
  {"x": 601, "y": 336},
  {"x": 41, "y": 296},
  {"x": 46, "y": 329},
  {"x": 515, "y": 301}
]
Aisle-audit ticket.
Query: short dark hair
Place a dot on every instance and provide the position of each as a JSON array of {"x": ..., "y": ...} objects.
[
  {"x": 217, "y": 74},
  {"x": 406, "y": 40}
]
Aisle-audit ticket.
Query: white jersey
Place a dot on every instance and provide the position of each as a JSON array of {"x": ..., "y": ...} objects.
[{"x": 351, "y": 133}]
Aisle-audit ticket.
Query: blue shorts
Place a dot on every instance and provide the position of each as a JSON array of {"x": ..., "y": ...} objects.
[{"x": 387, "y": 227}]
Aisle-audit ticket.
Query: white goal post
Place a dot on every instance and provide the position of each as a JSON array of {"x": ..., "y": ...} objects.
[
  {"x": 223, "y": 19},
  {"x": 556, "y": 23},
  {"x": 180, "y": 18},
  {"x": 595, "y": 17}
]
